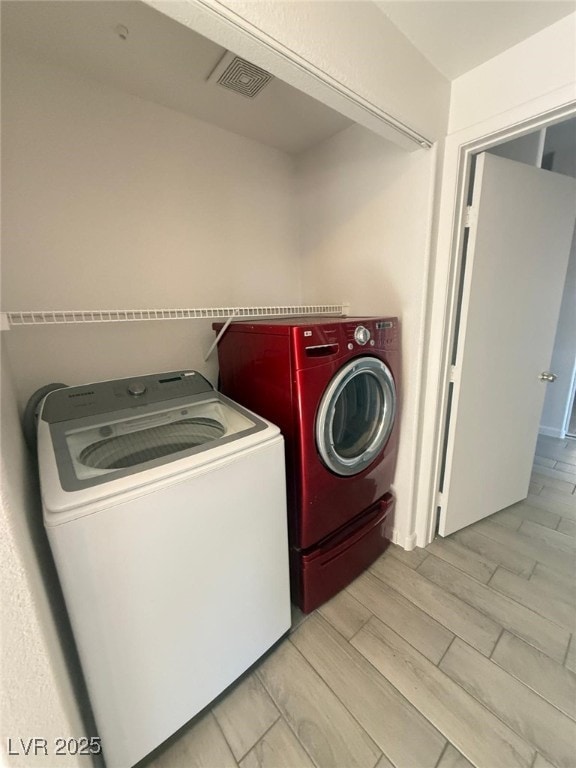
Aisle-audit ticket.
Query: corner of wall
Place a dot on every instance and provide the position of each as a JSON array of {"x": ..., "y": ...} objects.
[
  {"x": 551, "y": 432},
  {"x": 38, "y": 698},
  {"x": 407, "y": 542},
  {"x": 538, "y": 66}
]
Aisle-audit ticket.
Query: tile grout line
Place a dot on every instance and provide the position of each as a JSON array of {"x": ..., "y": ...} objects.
[
  {"x": 530, "y": 688},
  {"x": 277, "y": 705},
  {"x": 414, "y": 568},
  {"x": 552, "y": 549},
  {"x": 383, "y": 621},
  {"x": 224, "y": 737},
  {"x": 524, "y": 640},
  {"x": 484, "y": 584},
  {"x": 440, "y": 660},
  {"x": 442, "y": 753},
  {"x": 351, "y": 714},
  {"x": 488, "y": 584},
  {"x": 496, "y": 645},
  {"x": 559, "y": 523},
  {"x": 477, "y": 557},
  {"x": 532, "y": 571},
  {"x": 496, "y": 715},
  {"x": 349, "y": 639},
  {"x": 266, "y": 732},
  {"x": 461, "y": 687},
  {"x": 536, "y": 563},
  {"x": 377, "y": 618},
  {"x": 430, "y": 616},
  {"x": 398, "y": 691},
  {"x": 513, "y": 600},
  {"x": 570, "y": 638},
  {"x": 547, "y": 529},
  {"x": 378, "y": 674},
  {"x": 498, "y": 565},
  {"x": 302, "y": 619}
]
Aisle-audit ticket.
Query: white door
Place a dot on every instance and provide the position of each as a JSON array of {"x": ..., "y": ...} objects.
[{"x": 521, "y": 226}]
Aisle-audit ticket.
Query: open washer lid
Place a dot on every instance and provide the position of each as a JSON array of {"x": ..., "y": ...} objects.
[
  {"x": 98, "y": 434},
  {"x": 102, "y": 448}
]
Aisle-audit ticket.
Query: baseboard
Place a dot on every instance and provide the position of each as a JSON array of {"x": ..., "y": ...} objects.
[
  {"x": 406, "y": 542},
  {"x": 551, "y": 432}
]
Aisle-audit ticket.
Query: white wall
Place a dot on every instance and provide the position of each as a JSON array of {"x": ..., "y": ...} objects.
[
  {"x": 37, "y": 695},
  {"x": 540, "y": 65},
  {"x": 350, "y": 46},
  {"x": 365, "y": 208},
  {"x": 114, "y": 202},
  {"x": 111, "y": 202}
]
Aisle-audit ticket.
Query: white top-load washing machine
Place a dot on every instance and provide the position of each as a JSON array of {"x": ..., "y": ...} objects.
[{"x": 164, "y": 504}]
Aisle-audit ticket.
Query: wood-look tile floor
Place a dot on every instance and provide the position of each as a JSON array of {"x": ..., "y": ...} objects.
[{"x": 459, "y": 654}]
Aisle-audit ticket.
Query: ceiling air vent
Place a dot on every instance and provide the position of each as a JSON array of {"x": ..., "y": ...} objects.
[{"x": 239, "y": 75}]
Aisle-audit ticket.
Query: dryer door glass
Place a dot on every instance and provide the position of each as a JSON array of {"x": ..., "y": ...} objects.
[{"x": 356, "y": 416}]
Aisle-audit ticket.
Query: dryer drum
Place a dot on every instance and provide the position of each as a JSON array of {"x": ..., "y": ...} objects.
[
  {"x": 122, "y": 451},
  {"x": 356, "y": 416}
]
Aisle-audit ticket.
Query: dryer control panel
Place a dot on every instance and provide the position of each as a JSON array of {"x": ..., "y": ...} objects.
[
  {"x": 321, "y": 340},
  {"x": 376, "y": 333}
]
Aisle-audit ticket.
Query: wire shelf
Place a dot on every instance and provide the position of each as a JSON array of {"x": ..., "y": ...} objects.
[{"x": 67, "y": 317}]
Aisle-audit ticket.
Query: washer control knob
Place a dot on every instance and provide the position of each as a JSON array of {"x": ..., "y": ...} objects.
[
  {"x": 350, "y": 346},
  {"x": 136, "y": 388},
  {"x": 361, "y": 335}
]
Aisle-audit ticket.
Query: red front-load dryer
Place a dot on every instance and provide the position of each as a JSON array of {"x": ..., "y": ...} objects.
[{"x": 331, "y": 385}]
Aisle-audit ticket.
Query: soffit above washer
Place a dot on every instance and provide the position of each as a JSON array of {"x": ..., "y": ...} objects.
[
  {"x": 131, "y": 46},
  {"x": 456, "y": 36}
]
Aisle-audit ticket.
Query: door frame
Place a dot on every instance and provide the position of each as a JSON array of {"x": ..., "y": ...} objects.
[
  {"x": 443, "y": 282},
  {"x": 570, "y": 405}
]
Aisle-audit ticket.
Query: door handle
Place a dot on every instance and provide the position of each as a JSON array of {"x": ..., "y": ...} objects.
[{"x": 547, "y": 376}]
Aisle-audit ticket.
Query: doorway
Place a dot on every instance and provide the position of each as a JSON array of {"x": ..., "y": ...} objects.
[
  {"x": 571, "y": 431},
  {"x": 460, "y": 152},
  {"x": 559, "y": 413},
  {"x": 554, "y": 470}
]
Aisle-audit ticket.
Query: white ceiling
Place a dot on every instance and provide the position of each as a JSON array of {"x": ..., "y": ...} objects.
[
  {"x": 163, "y": 62},
  {"x": 169, "y": 64},
  {"x": 456, "y": 36}
]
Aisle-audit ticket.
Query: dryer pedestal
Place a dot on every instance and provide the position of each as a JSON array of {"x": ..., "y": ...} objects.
[{"x": 322, "y": 571}]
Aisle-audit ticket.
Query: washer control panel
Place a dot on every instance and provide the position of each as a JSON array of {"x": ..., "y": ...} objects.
[
  {"x": 136, "y": 388},
  {"x": 109, "y": 396}
]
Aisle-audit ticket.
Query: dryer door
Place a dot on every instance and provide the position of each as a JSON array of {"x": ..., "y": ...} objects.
[{"x": 356, "y": 416}]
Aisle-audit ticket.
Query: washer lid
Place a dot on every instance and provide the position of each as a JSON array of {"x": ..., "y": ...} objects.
[
  {"x": 127, "y": 450},
  {"x": 104, "y": 447},
  {"x": 105, "y": 397}
]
